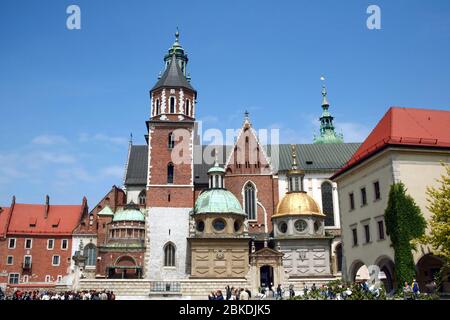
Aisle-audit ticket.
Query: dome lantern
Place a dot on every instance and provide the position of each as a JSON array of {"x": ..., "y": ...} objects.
[
  {"x": 216, "y": 175},
  {"x": 295, "y": 175}
]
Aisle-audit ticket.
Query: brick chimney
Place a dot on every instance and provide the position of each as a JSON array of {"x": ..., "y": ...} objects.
[{"x": 47, "y": 205}]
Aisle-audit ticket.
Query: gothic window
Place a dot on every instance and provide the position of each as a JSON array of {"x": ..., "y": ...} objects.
[
  {"x": 171, "y": 141},
  {"x": 188, "y": 107},
  {"x": 327, "y": 203},
  {"x": 250, "y": 201},
  {"x": 90, "y": 251},
  {"x": 169, "y": 255},
  {"x": 170, "y": 173},
  {"x": 172, "y": 104},
  {"x": 142, "y": 197},
  {"x": 158, "y": 107}
]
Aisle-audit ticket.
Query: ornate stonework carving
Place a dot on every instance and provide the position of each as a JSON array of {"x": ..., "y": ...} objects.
[{"x": 220, "y": 254}]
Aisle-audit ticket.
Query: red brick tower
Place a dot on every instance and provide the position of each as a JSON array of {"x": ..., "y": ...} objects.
[
  {"x": 170, "y": 179},
  {"x": 170, "y": 135}
]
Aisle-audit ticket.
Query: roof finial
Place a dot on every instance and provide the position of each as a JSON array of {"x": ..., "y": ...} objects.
[
  {"x": 324, "y": 92},
  {"x": 294, "y": 157},
  {"x": 247, "y": 123},
  {"x": 177, "y": 35},
  {"x": 131, "y": 138}
]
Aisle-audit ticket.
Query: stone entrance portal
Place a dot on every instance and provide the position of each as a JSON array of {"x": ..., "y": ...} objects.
[{"x": 266, "y": 268}]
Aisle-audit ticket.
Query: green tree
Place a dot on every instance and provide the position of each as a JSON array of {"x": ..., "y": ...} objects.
[
  {"x": 439, "y": 206},
  {"x": 404, "y": 223}
]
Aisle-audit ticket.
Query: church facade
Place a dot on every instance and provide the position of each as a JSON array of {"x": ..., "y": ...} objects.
[{"x": 180, "y": 218}]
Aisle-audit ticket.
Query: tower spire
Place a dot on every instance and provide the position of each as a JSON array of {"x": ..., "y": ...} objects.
[{"x": 327, "y": 130}]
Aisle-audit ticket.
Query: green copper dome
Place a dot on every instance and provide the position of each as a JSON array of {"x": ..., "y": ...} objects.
[
  {"x": 129, "y": 215},
  {"x": 217, "y": 201}
]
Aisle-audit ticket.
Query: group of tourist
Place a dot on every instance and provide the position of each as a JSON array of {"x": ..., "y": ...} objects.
[
  {"x": 16, "y": 294},
  {"x": 231, "y": 293},
  {"x": 411, "y": 292}
]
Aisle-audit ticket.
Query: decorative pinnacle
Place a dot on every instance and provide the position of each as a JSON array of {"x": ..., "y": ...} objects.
[
  {"x": 324, "y": 93},
  {"x": 294, "y": 157},
  {"x": 177, "y": 35},
  {"x": 247, "y": 123}
]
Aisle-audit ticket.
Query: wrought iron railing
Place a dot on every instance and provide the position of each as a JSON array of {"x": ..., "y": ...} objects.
[{"x": 165, "y": 286}]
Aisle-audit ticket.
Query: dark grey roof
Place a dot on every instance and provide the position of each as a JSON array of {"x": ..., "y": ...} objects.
[
  {"x": 137, "y": 166},
  {"x": 310, "y": 157},
  {"x": 173, "y": 77}
]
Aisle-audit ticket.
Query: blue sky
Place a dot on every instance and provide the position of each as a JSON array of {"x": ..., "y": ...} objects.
[{"x": 70, "y": 98}]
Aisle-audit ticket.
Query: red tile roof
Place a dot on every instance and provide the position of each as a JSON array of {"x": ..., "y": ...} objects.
[
  {"x": 3, "y": 220},
  {"x": 61, "y": 219},
  {"x": 406, "y": 127}
]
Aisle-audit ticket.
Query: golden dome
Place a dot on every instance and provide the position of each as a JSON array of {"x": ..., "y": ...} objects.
[{"x": 297, "y": 203}]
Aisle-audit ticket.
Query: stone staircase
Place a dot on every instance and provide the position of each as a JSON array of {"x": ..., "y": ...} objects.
[{"x": 121, "y": 287}]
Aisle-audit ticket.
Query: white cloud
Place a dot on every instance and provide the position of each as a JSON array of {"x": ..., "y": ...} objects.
[
  {"x": 289, "y": 135},
  {"x": 112, "y": 171},
  {"x": 46, "y": 139},
  {"x": 100, "y": 137},
  {"x": 209, "y": 119},
  {"x": 353, "y": 132},
  {"x": 70, "y": 175},
  {"x": 54, "y": 158}
]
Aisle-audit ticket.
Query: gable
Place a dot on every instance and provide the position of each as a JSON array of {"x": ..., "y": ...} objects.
[{"x": 247, "y": 155}]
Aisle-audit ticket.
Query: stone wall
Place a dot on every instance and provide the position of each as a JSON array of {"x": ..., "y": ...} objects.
[
  {"x": 166, "y": 225},
  {"x": 189, "y": 288}
]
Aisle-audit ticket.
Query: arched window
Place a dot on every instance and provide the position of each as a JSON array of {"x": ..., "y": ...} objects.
[
  {"x": 171, "y": 141},
  {"x": 142, "y": 197},
  {"x": 170, "y": 173},
  {"x": 158, "y": 107},
  {"x": 90, "y": 251},
  {"x": 172, "y": 104},
  {"x": 169, "y": 255},
  {"x": 250, "y": 201},
  {"x": 327, "y": 203},
  {"x": 188, "y": 107}
]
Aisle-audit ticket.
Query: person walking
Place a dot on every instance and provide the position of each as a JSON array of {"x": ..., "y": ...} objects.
[
  {"x": 415, "y": 288},
  {"x": 407, "y": 291},
  {"x": 291, "y": 291},
  {"x": 228, "y": 292},
  {"x": 244, "y": 295},
  {"x": 305, "y": 288},
  {"x": 219, "y": 295},
  {"x": 279, "y": 292}
]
